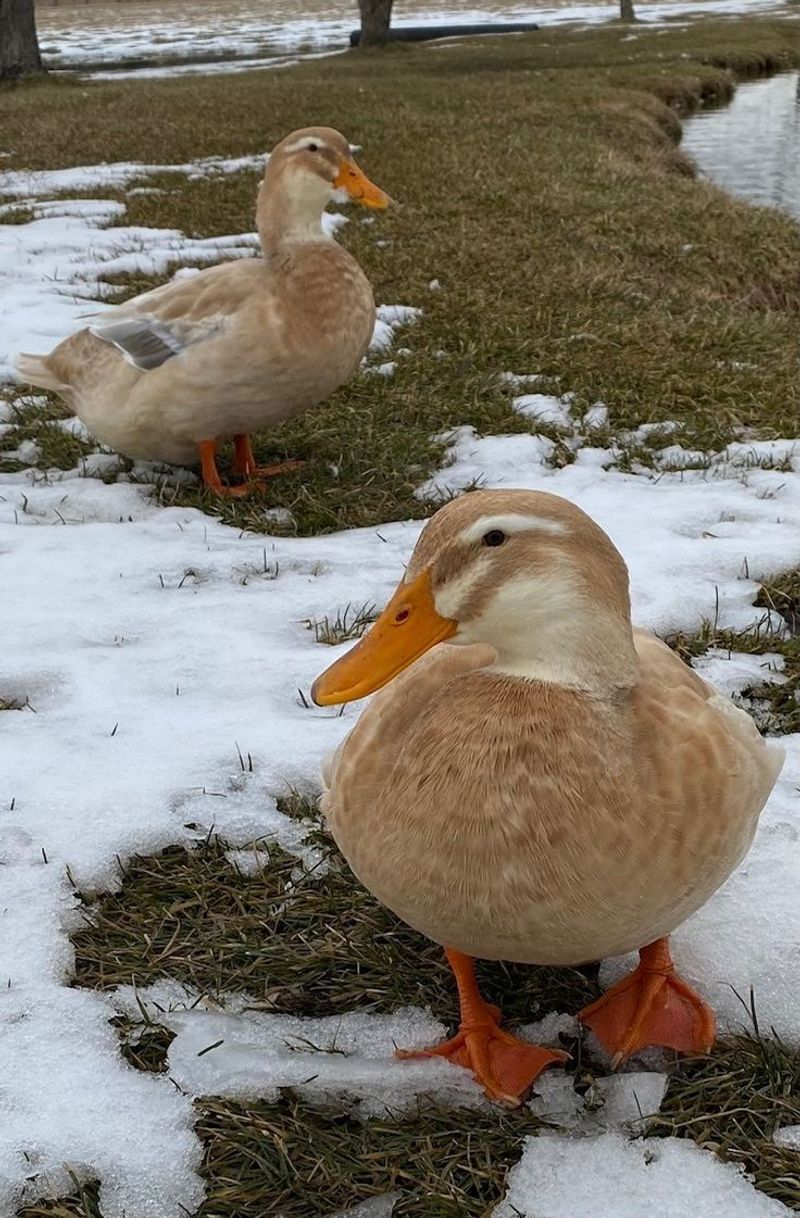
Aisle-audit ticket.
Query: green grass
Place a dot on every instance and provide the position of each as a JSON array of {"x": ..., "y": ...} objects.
[
  {"x": 345, "y": 625},
  {"x": 542, "y": 185},
  {"x": 732, "y": 1104},
  {"x": 330, "y": 947},
  {"x": 326, "y": 947},
  {"x": 775, "y": 705}
]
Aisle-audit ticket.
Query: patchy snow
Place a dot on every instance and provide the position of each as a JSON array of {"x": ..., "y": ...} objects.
[
  {"x": 542, "y": 408},
  {"x": 250, "y": 1055},
  {"x": 248, "y": 31},
  {"x": 181, "y": 642},
  {"x": 389, "y": 318},
  {"x": 26, "y": 184},
  {"x": 789, "y": 1137},
  {"x": 625, "y": 1100},
  {"x": 53, "y": 269},
  {"x": 596, "y": 417},
  {"x": 611, "y": 1177},
  {"x": 163, "y": 655},
  {"x": 687, "y": 536},
  {"x": 732, "y": 671},
  {"x": 70, "y": 1102},
  {"x": 205, "y": 68}
]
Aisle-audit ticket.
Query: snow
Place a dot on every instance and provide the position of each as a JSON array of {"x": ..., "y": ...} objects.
[
  {"x": 250, "y": 1055},
  {"x": 158, "y": 649},
  {"x": 686, "y": 535},
  {"x": 26, "y": 184},
  {"x": 542, "y": 408},
  {"x": 731, "y": 672},
  {"x": 788, "y": 1137},
  {"x": 245, "y": 35},
  {"x": 214, "y": 68},
  {"x": 610, "y": 1177},
  {"x": 54, "y": 268},
  {"x": 171, "y": 635},
  {"x": 111, "y": 1122},
  {"x": 620, "y": 1100}
]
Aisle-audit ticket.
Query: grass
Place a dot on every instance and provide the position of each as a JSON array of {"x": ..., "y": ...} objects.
[
  {"x": 544, "y": 187},
  {"x": 775, "y": 705},
  {"x": 292, "y": 1160},
  {"x": 330, "y": 947},
  {"x": 325, "y": 947},
  {"x": 732, "y": 1104},
  {"x": 347, "y": 624},
  {"x": 16, "y": 215},
  {"x": 531, "y": 172}
]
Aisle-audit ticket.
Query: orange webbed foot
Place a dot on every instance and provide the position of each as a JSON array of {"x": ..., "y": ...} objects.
[
  {"x": 505, "y": 1066},
  {"x": 244, "y": 464},
  {"x": 651, "y": 1006},
  {"x": 233, "y": 492}
]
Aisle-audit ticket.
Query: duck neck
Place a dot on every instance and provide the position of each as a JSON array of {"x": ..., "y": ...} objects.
[
  {"x": 552, "y": 633},
  {"x": 290, "y": 212},
  {"x": 601, "y": 661}
]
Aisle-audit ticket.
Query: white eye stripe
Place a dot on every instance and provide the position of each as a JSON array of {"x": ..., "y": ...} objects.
[
  {"x": 511, "y": 522},
  {"x": 306, "y": 142}
]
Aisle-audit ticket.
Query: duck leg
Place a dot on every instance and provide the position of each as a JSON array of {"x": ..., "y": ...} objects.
[
  {"x": 244, "y": 463},
  {"x": 504, "y": 1065},
  {"x": 651, "y": 1006},
  {"x": 210, "y": 473}
]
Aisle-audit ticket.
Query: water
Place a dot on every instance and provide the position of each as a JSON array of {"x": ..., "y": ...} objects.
[{"x": 752, "y": 146}]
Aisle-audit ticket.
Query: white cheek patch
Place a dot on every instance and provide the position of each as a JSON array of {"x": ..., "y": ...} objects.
[
  {"x": 512, "y": 522},
  {"x": 450, "y": 599}
]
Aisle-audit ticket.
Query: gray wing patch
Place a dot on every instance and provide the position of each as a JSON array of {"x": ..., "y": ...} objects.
[{"x": 145, "y": 344}]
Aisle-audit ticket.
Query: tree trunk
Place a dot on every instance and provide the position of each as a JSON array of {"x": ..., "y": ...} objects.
[
  {"x": 19, "y": 46},
  {"x": 375, "y": 18},
  {"x": 626, "y": 10}
]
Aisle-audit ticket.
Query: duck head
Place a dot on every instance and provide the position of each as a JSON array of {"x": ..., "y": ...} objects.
[
  {"x": 307, "y": 170},
  {"x": 526, "y": 572}
]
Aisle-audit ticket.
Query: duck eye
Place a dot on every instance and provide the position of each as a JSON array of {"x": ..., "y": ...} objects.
[
  {"x": 495, "y": 537},
  {"x": 313, "y": 147}
]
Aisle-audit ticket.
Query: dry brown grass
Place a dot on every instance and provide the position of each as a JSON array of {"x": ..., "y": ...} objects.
[{"x": 542, "y": 186}]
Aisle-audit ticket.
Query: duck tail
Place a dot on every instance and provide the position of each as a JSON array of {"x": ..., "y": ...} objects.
[{"x": 34, "y": 369}]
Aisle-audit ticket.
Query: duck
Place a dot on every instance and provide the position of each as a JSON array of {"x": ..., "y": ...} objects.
[
  {"x": 536, "y": 780},
  {"x": 234, "y": 348}
]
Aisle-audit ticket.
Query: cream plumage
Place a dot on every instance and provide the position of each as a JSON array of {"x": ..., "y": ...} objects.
[
  {"x": 235, "y": 348},
  {"x": 557, "y": 788}
]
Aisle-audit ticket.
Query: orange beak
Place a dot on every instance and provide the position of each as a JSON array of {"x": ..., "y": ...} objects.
[
  {"x": 359, "y": 187},
  {"x": 408, "y": 627}
]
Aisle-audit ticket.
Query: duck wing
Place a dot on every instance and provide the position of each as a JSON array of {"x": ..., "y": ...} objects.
[
  {"x": 157, "y": 325},
  {"x": 707, "y": 770}
]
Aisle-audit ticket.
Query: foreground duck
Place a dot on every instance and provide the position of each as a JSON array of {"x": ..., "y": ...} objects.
[
  {"x": 235, "y": 348},
  {"x": 539, "y": 781}
]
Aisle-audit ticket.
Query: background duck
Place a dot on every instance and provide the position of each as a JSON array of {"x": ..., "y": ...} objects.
[
  {"x": 235, "y": 348},
  {"x": 556, "y": 788}
]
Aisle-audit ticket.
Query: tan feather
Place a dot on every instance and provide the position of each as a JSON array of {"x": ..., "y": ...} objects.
[
  {"x": 235, "y": 348},
  {"x": 525, "y": 819}
]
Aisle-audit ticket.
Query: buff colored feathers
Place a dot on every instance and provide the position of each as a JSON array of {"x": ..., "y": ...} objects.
[
  {"x": 238, "y": 347},
  {"x": 550, "y": 785}
]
